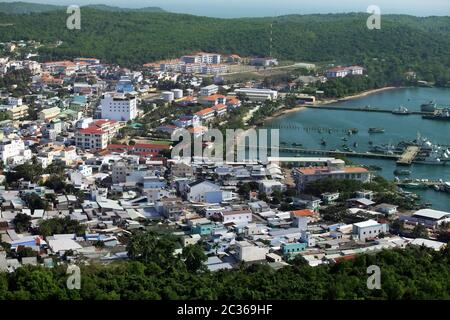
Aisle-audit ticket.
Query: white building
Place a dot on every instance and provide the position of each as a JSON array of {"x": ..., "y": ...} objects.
[
  {"x": 257, "y": 94},
  {"x": 214, "y": 69},
  {"x": 97, "y": 135},
  {"x": 237, "y": 216},
  {"x": 203, "y": 191},
  {"x": 342, "y": 72},
  {"x": 386, "y": 208},
  {"x": 435, "y": 245},
  {"x": 369, "y": 229},
  {"x": 92, "y": 138},
  {"x": 269, "y": 186},
  {"x": 248, "y": 252},
  {"x": 209, "y": 90},
  {"x": 202, "y": 57},
  {"x": 119, "y": 107},
  {"x": 14, "y": 148}
]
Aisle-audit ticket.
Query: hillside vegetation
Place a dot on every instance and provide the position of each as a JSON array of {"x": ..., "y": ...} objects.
[{"x": 134, "y": 38}]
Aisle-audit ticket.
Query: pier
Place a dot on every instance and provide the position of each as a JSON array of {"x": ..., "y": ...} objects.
[
  {"x": 320, "y": 152},
  {"x": 295, "y": 126},
  {"x": 408, "y": 156},
  {"x": 367, "y": 109}
]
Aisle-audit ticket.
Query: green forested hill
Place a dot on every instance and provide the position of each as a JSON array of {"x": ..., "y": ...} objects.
[
  {"x": 25, "y": 7},
  {"x": 133, "y": 38}
]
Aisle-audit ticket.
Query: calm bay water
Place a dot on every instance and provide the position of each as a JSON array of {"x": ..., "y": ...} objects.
[{"x": 301, "y": 127}]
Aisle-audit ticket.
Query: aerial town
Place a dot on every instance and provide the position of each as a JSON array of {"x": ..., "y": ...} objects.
[{"x": 86, "y": 162}]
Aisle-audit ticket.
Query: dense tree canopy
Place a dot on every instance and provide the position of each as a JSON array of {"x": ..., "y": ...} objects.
[
  {"x": 412, "y": 273},
  {"x": 403, "y": 41},
  {"x": 60, "y": 226}
]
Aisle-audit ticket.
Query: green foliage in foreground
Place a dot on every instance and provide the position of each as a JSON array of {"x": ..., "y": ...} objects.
[
  {"x": 347, "y": 187},
  {"x": 60, "y": 226},
  {"x": 413, "y": 273}
]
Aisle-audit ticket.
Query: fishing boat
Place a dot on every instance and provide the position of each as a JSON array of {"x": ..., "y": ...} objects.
[
  {"x": 323, "y": 142},
  {"x": 414, "y": 185},
  {"x": 376, "y": 130},
  {"x": 437, "y": 187},
  {"x": 355, "y": 144},
  {"x": 404, "y": 172},
  {"x": 446, "y": 187},
  {"x": 346, "y": 148}
]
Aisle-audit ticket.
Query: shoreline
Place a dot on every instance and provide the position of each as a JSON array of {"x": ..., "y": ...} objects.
[
  {"x": 299, "y": 108},
  {"x": 358, "y": 95},
  {"x": 329, "y": 101}
]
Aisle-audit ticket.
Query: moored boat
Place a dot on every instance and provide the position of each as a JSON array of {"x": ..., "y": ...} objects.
[
  {"x": 376, "y": 130},
  {"x": 403, "y": 172},
  {"x": 441, "y": 115}
]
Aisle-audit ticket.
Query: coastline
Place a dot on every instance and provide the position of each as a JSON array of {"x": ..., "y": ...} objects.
[
  {"x": 358, "y": 95},
  {"x": 324, "y": 102},
  {"x": 329, "y": 101}
]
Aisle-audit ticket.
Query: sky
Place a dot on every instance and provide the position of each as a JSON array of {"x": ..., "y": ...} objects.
[{"x": 255, "y": 8}]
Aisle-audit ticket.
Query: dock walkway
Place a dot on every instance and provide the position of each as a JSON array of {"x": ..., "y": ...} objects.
[
  {"x": 408, "y": 156},
  {"x": 366, "y": 109}
]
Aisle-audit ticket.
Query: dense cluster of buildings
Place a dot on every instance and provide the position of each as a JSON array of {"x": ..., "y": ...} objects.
[{"x": 72, "y": 118}]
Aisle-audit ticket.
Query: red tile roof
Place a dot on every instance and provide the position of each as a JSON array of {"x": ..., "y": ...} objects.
[
  {"x": 204, "y": 112},
  {"x": 314, "y": 170},
  {"x": 91, "y": 130},
  {"x": 151, "y": 146},
  {"x": 303, "y": 213}
]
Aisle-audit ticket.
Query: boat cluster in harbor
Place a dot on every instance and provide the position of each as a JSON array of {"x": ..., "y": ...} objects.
[
  {"x": 429, "y": 153},
  {"x": 438, "y": 185}
]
